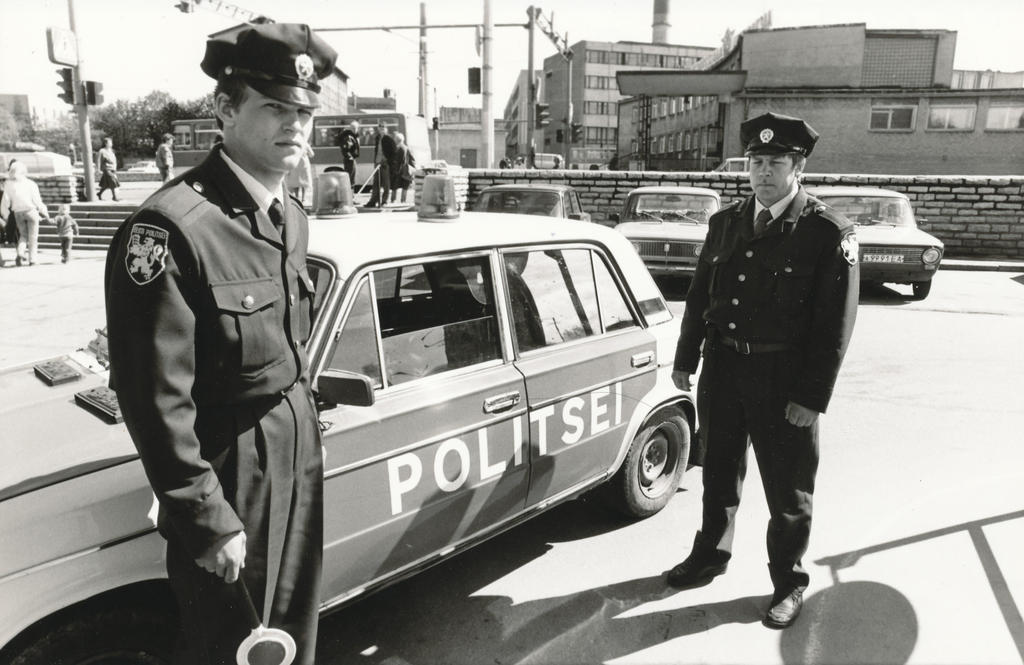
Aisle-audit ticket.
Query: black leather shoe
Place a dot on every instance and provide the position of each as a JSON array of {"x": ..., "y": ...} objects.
[
  {"x": 695, "y": 570},
  {"x": 785, "y": 608}
]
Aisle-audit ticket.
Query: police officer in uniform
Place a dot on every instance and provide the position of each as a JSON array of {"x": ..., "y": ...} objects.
[
  {"x": 209, "y": 305},
  {"x": 772, "y": 304}
]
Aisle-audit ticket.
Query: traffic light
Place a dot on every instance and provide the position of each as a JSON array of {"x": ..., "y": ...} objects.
[
  {"x": 186, "y": 6},
  {"x": 93, "y": 93},
  {"x": 67, "y": 84},
  {"x": 543, "y": 115},
  {"x": 577, "y": 132},
  {"x": 474, "y": 80},
  {"x": 435, "y": 123},
  {"x": 559, "y": 136}
]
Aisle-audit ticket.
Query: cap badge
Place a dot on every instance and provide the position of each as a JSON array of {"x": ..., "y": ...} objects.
[
  {"x": 767, "y": 135},
  {"x": 304, "y": 67}
]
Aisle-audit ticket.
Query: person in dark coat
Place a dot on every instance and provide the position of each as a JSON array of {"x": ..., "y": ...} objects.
[
  {"x": 401, "y": 165},
  {"x": 348, "y": 141},
  {"x": 209, "y": 305},
  {"x": 383, "y": 153},
  {"x": 106, "y": 160},
  {"x": 772, "y": 304}
]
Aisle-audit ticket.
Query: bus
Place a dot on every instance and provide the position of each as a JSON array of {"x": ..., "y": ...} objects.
[{"x": 194, "y": 138}]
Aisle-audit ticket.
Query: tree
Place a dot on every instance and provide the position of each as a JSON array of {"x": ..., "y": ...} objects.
[
  {"x": 8, "y": 127},
  {"x": 136, "y": 127}
]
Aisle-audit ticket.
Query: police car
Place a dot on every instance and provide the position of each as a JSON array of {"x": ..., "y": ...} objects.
[
  {"x": 668, "y": 225},
  {"x": 892, "y": 248},
  {"x": 470, "y": 374}
]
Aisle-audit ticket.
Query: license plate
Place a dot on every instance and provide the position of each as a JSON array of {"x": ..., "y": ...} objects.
[{"x": 883, "y": 258}]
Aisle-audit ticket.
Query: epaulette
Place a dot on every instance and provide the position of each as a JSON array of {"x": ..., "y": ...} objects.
[
  {"x": 825, "y": 211},
  {"x": 181, "y": 204}
]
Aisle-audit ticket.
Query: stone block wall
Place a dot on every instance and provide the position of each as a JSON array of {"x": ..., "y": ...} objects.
[
  {"x": 975, "y": 216},
  {"x": 54, "y": 188}
]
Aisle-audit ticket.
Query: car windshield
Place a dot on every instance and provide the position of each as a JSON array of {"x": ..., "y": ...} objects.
[
  {"x": 522, "y": 201},
  {"x": 873, "y": 210},
  {"x": 668, "y": 207}
]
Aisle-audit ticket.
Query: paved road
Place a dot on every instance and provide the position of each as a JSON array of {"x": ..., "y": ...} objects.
[{"x": 915, "y": 555}]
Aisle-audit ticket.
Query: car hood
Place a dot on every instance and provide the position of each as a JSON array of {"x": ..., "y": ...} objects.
[
  {"x": 895, "y": 235},
  {"x": 47, "y": 436},
  {"x": 663, "y": 231}
]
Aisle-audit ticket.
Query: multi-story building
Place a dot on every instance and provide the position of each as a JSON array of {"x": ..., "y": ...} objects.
[
  {"x": 594, "y": 93},
  {"x": 458, "y": 137},
  {"x": 359, "y": 103},
  {"x": 882, "y": 100},
  {"x": 517, "y": 114}
]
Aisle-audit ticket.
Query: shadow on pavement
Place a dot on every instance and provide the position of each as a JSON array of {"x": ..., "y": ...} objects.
[
  {"x": 857, "y": 623},
  {"x": 975, "y": 529}
]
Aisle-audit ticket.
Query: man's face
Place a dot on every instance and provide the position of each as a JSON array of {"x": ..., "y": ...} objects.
[
  {"x": 772, "y": 176},
  {"x": 265, "y": 136}
]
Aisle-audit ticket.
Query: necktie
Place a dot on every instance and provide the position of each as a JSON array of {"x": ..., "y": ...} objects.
[
  {"x": 762, "y": 220},
  {"x": 276, "y": 214}
]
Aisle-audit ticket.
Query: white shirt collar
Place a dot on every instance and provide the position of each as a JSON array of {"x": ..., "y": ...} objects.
[
  {"x": 779, "y": 207},
  {"x": 262, "y": 196}
]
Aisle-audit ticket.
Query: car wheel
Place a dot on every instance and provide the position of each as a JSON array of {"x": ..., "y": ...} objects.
[
  {"x": 108, "y": 636},
  {"x": 921, "y": 289},
  {"x": 654, "y": 466}
]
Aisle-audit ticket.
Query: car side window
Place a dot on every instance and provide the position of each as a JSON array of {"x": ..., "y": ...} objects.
[
  {"x": 357, "y": 350},
  {"x": 436, "y": 316},
  {"x": 574, "y": 203},
  {"x": 552, "y": 295},
  {"x": 615, "y": 312}
]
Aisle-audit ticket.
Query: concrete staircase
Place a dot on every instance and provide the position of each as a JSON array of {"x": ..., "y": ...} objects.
[{"x": 97, "y": 223}]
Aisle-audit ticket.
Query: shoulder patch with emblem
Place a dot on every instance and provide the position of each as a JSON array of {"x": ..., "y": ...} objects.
[
  {"x": 851, "y": 249},
  {"x": 147, "y": 253}
]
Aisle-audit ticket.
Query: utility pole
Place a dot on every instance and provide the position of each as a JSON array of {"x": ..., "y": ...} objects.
[
  {"x": 531, "y": 95},
  {"x": 547, "y": 26},
  {"x": 423, "y": 60},
  {"x": 486, "y": 115},
  {"x": 82, "y": 110}
]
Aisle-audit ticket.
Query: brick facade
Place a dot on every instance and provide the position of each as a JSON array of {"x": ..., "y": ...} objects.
[{"x": 975, "y": 216}]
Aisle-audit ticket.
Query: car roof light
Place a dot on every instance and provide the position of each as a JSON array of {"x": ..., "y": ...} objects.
[
  {"x": 437, "y": 200},
  {"x": 334, "y": 195}
]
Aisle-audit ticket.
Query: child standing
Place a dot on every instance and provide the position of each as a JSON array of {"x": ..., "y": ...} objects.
[{"x": 67, "y": 229}]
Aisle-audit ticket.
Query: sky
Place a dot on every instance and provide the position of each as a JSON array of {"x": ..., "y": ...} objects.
[{"x": 136, "y": 46}]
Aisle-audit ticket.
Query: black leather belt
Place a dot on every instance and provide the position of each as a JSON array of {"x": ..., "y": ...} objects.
[{"x": 747, "y": 348}]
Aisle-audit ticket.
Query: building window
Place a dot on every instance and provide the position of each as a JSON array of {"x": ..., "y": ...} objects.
[
  {"x": 893, "y": 116},
  {"x": 951, "y": 117},
  {"x": 635, "y": 113},
  {"x": 1005, "y": 116},
  {"x": 601, "y": 108},
  {"x": 600, "y": 82},
  {"x": 600, "y": 135}
]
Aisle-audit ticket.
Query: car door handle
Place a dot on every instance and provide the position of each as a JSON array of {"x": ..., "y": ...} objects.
[
  {"x": 501, "y": 402},
  {"x": 642, "y": 359}
]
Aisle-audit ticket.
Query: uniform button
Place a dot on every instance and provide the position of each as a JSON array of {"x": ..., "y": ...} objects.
[
  {"x": 750, "y": 253},
  {"x": 735, "y": 301},
  {"x": 291, "y": 299},
  {"x": 787, "y": 269},
  {"x": 732, "y": 326},
  {"x": 742, "y": 278},
  {"x": 248, "y": 302}
]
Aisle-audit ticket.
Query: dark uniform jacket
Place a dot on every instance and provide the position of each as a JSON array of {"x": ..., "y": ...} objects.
[
  {"x": 797, "y": 284},
  {"x": 206, "y": 317}
]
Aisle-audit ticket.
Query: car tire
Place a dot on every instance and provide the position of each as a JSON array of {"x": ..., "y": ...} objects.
[
  {"x": 654, "y": 466},
  {"x": 107, "y": 636},
  {"x": 921, "y": 289}
]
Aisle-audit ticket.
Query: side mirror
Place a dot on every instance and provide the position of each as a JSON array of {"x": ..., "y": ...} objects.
[
  {"x": 335, "y": 386},
  {"x": 614, "y": 217}
]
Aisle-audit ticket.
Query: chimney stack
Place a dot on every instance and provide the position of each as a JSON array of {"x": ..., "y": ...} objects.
[{"x": 660, "y": 26}]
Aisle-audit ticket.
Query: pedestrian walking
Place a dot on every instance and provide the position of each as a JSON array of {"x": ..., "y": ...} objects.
[
  {"x": 773, "y": 303},
  {"x": 348, "y": 141},
  {"x": 106, "y": 162},
  {"x": 165, "y": 157},
  {"x": 67, "y": 229},
  {"x": 209, "y": 306},
  {"x": 383, "y": 152},
  {"x": 401, "y": 165},
  {"x": 21, "y": 197}
]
